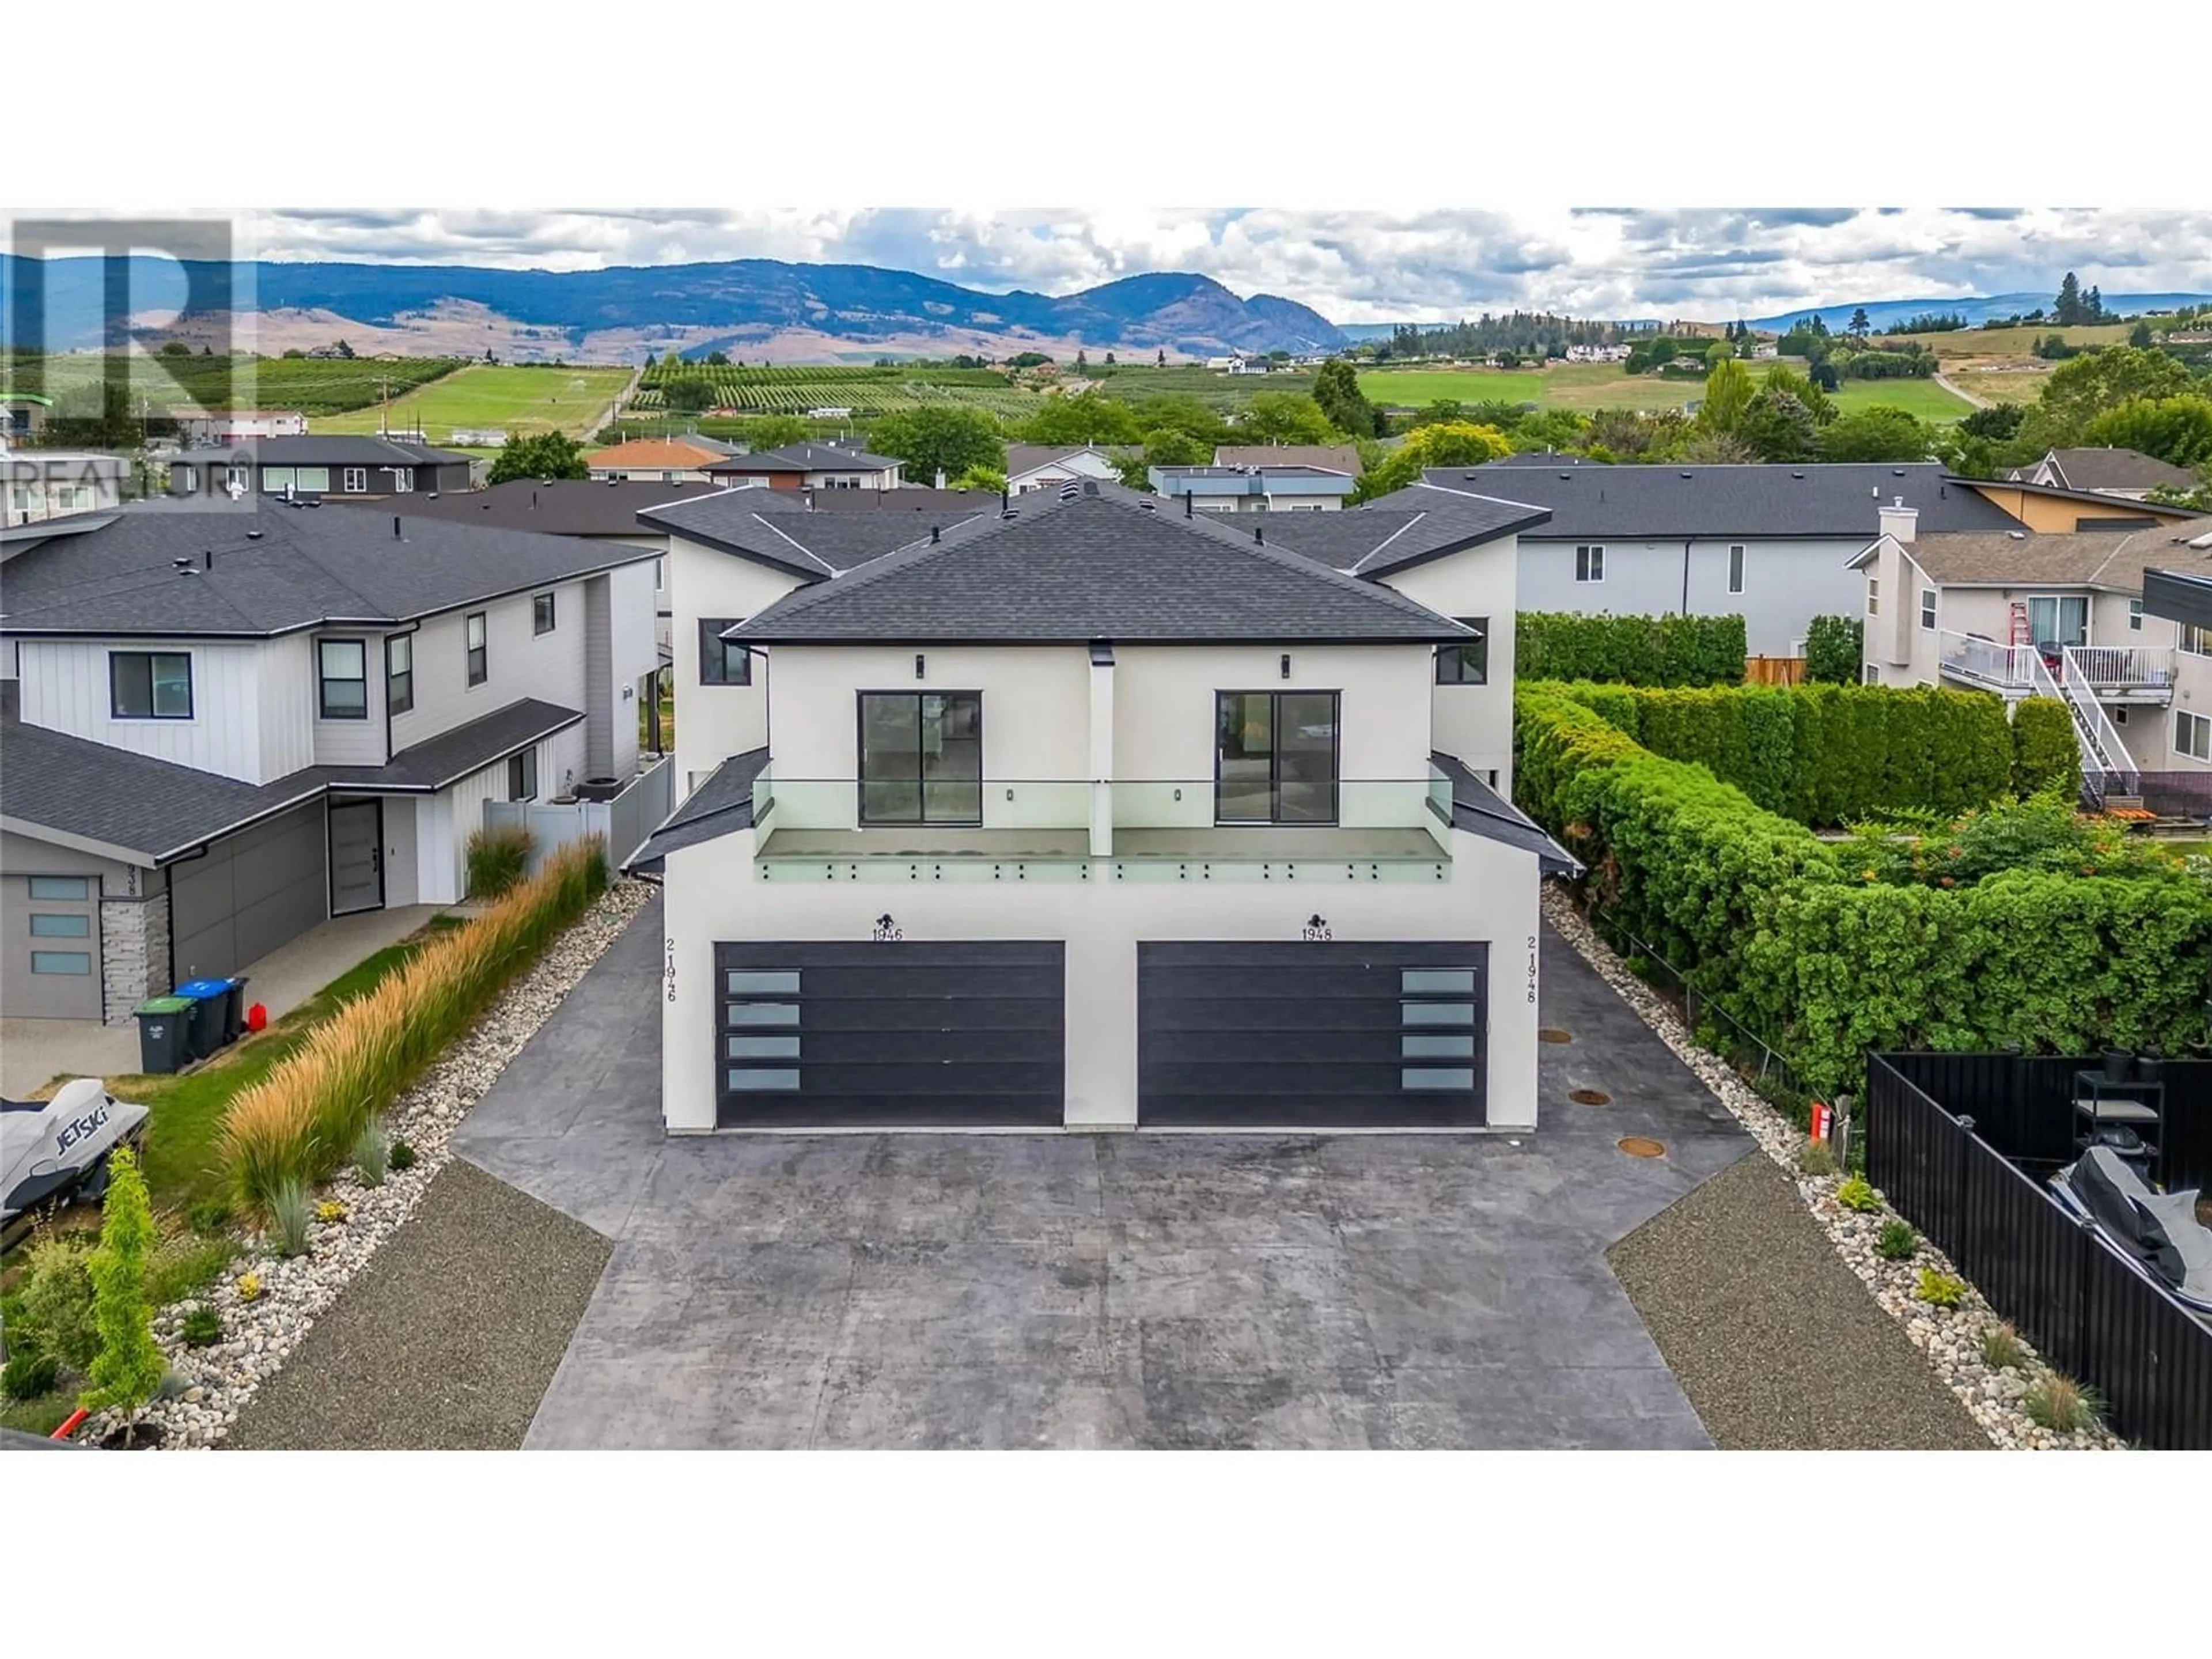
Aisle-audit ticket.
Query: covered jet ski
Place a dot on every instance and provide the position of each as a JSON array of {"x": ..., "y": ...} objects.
[
  {"x": 2157, "y": 1232},
  {"x": 54, "y": 1150}
]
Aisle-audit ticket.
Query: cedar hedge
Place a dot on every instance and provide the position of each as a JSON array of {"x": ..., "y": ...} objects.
[
  {"x": 1557, "y": 645},
  {"x": 1835, "y": 649},
  {"x": 1826, "y": 754},
  {"x": 1765, "y": 917},
  {"x": 2045, "y": 754}
]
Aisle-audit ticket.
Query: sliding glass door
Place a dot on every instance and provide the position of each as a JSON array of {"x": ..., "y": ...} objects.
[
  {"x": 1275, "y": 758},
  {"x": 2059, "y": 619},
  {"x": 921, "y": 757}
]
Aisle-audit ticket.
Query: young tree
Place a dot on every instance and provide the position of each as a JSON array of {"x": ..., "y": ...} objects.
[
  {"x": 1285, "y": 417},
  {"x": 1336, "y": 390},
  {"x": 2140, "y": 334},
  {"x": 1728, "y": 392},
  {"x": 2083, "y": 388},
  {"x": 1859, "y": 324},
  {"x": 1169, "y": 447},
  {"x": 1878, "y": 434},
  {"x": 1082, "y": 417},
  {"x": 129, "y": 1367},
  {"x": 1160, "y": 360},
  {"x": 688, "y": 395},
  {"x": 718, "y": 360},
  {"x": 947, "y": 437},
  {"x": 1109, "y": 359},
  {"x": 539, "y": 455},
  {"x": 1777, "y": 427},
  {"x": 1453, "y": 444},
  {"x": 981, "y": 477},
  {"x": 1082, "y": 362},
  {"x": 2176, "y": 430}
]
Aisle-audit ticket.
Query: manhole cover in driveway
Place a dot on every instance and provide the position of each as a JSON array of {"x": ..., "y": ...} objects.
[
  {"x": 1552, "y": 1033},
  {"x": 1637, "y": 1147},
  {"x": 1589, "y": 1097}
]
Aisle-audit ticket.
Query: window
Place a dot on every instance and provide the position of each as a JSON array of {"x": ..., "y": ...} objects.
[
  {"x": 61, "y": 887},
  {"x": 522, "y": 776},
  {"x": 2192, "y": 735},
  {"x": 472, "y": 629},
  {"x": 150, "y": 685},
  {"x": 357, "y": 480},
  {"x": 1874, "y": 596},
  {"x": 1468, "y": 662},
  {"x": 314, "y": 481},
  {"x": 238, "y": 478},
  {"x": 1928, "y": 609},
  {"x": 1437, "y": 1020},
  {"x": 1275, "y": 756},
  {"x": 1735, "y": 566},
  {"x": 398, "y": 673},
  {"x": 403, "y": 480},
  {"x": 1589, "y": 564},
  {"x": 921, "y": 757},
  {"x": 541, "y": 613},
  {"x": 47, "y": 925},
  {"x": 61, "y": 962},
  {"x": 760, "y": 1035},
  {"x": 1869, "y": 675},
  {"x": 2194, "y": 638},
  {"x": 2058, "y": 619},
  {"x": 722, "y": 662},
  {"x": 276, "y": 480},
  {"x": 342, "y": 670},
  {"x": 2135, "y": 616}
]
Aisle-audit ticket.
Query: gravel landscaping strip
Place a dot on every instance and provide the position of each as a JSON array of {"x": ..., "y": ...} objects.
[
  {"x": 446, "y": 1339},
  {"x": 211, "y": 1386},
  {"x": 1950, "y": 1339},
  {"x": 1774, "y": 1340}
]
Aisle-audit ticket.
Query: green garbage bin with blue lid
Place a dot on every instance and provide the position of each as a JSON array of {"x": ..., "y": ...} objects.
[
  {"x": 210, "y": 1008},
  {"x": 163, "y": 1024}
]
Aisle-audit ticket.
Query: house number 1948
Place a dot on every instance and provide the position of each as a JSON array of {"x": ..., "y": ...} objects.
[{"x": 1532, "y": 968}]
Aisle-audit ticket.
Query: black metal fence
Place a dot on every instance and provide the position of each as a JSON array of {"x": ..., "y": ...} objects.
[
  {"x": 2169, "y": 794},
  {"x": 2092, "y": 1316}
]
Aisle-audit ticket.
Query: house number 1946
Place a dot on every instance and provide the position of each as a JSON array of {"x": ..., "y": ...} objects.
[{"x": 668, "y": 971}]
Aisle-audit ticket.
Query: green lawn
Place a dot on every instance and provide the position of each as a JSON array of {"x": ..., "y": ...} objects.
[
  {"x": 514, "y": 400},
  {"x": 1582, "y": 386},
  {"x": 1923, "y": 399}
]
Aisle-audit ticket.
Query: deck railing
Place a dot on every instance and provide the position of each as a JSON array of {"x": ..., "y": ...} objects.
[{"x": 2120, "y": 667}]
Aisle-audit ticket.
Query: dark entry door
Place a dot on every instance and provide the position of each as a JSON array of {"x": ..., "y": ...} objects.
[
  {"x": 356, "y": 856},
  {"x": 903, "y": 1034},
  {"x": 1325, "y": 1035}
]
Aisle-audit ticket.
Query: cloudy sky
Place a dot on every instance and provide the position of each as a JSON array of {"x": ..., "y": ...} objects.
[{"x": 1350, "y": 266}]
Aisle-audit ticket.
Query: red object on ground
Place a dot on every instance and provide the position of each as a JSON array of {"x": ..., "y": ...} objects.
[
  {"x": 69, "y": 1424},
  {"x": 257, "y": 1019},
  {"x": 1824, "y": 1121}
]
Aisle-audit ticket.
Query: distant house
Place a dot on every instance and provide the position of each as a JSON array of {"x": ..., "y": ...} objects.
[
  {"x": 1253, "y": 488},
  {"x": 661, "y": 460},
  {"x": 23, "y": 416},
  {"x": 52, "y": 484},
  {"x": 232, "y": 426},
  {"x": 2106, "y": 472},
  {"x": 1327, "y": 458},
  {"x": 806, "y": 466},
  {"x": 316, "y": 468},
  {"x": 1044, "y": 466},
  {"x": 474, "y": 437}
]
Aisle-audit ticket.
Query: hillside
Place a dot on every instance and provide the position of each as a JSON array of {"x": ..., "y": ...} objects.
[
  {"x": 761, "y": 307},
  {"x": 1977, "y": 309}
]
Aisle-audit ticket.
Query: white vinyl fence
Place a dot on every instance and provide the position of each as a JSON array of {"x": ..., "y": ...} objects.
[{"x": 625, "y": 821}]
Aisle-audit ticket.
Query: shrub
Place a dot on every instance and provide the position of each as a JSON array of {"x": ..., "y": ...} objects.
[
  {"x": 1816, "y": 1158},
  {"x": 2062, "y": 1404},
  {"x": 299, "y": 1123},
  {"x": 250, "y": 1287},
  {"x": 182, "y": 1267},
  {"x": 1856, "y": 1195},
  {"x": 1940, "y": 1289},
  {"x": 1552, "y": 644},
  {"x": 291, "y": 1212},
  {"x": 2045, "y": 755},
  {"x": 202, "y": 1327},
  {"x": 28, "y": 1374},
  {"x": 129, "y": 1365},
  {"x": 1897, "y": 1242},
  {"x": 372, "y": 1153},
  {"x": 402, "y": 1155},
  {"x": 208, "y": 1216},
  {"x": 1835, "y": 650},
  {"x": 498, "y": 858},
  {"x": 57, "y": 1302},
  {"x": 2002, "y": 1348}
]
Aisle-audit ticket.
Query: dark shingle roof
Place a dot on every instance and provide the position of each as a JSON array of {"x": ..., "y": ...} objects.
[
  {"x": 160, "y": 809},
  {"x": 1481, "y": 811},
  {"x": 2117, "y": 469},
  {"x": 723, "y": 804},
  {"x": 1658, "y": 503},
  {"x": 808, "y": 544},
  {"x": 1102, "y": 564},
  {"x": 804, "y": 458},
  {"x": 275, "y": 570},
  {"x": 559, "y": 507},
  {"x": 326, "y": 451}
]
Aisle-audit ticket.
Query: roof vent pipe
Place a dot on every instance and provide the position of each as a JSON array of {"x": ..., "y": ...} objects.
[
  {"x": 1186, "y": 503},
  {"x": 933, "y": 535},
  {"x": 395, "y": 526},
  {"x": 1259, "y": 535},
  {"x": 207, "y": 558}
]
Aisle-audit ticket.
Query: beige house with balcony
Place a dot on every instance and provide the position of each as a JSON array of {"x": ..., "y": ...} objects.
[{"x": 2022, "y": 614}]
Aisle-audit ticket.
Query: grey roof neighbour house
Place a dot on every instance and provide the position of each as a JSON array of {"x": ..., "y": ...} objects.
[
  {"x": 804, "y": 458},
  {"x": 722, "y": 803},
  {"x": 2096, "y": 469},
  {"x": 810, "y": 545},
  {"x": 1674, "y": 502},
  {"x": 549, "y": 506},
  {"x": 1101, "y": 562},
  {"x": 263, "y": 569},
  {"x": 1326, "y": 458},
  {"x": 1481, "y": 811},
  {"x": 312, "y": 450},
  {"x": 1028, "y": 457},
  {"x": 153, "y": 811},
  {"x": 2109, "y": 560}
]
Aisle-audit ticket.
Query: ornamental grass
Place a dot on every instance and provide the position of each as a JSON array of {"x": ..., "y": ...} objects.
[{"x": 302, "y": 1121}]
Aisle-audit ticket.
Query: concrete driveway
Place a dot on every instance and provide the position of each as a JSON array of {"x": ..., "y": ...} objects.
[{"x": 890, "y": 1290}]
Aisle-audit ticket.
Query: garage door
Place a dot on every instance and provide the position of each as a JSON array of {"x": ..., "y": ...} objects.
[
  {"x": 1327, "y": 1035},
  {"x": 50, "y": 966},
  {"x": 250, "y": 893},
  {"x": 896, "y": 1033}
]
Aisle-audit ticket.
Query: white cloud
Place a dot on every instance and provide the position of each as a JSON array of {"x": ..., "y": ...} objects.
[{"x": 1352, "y": 266}]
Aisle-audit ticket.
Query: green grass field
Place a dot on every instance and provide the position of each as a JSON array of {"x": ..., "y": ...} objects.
[
  {"x": 1923, "y": 399},
  {"x": 1581, "y": 386},
  {"x": 514, "y": 400}
]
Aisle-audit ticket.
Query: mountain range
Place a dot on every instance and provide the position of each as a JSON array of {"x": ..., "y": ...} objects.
[
  {"x": 1880, "y": 314},
  {"x": 759, "y": 308}
]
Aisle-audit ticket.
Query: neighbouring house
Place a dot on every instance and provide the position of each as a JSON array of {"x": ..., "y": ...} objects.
[
  {"x": 23, "y": 416},
  {"x": 1031, "y": 467},
  {"x": 37, "y": 484},
  {"x": 232, "y": 426},
  {"x": 1770, "y": 543},
  {"x": 807, "y": 466},
  {"x": 222, "y": 728},
  {"x": 1255, "y": 488},
  {"x": 2061, "y": 615},
  {"x": 316, "y": 469},
  {"x": 1326, "y": 458},
  {"x": 1091, "y": 813},
  {"x": 2049, "y": 508},
  {"x": 656, "y": 461},
  {"x": 2124, "y": 472},
  {"x": 2183, "y": 596}
]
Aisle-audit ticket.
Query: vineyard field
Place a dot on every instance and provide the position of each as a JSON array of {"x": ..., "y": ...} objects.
[
  {"x": 867, "y": 391},
  {"x": 184, "y": 386}
]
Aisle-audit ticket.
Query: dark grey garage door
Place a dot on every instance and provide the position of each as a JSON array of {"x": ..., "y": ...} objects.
[
  {"x": 252, "y": 892},
  {"x": 898, "y": 1033},
  {"x": 1325, "y": 1035}
]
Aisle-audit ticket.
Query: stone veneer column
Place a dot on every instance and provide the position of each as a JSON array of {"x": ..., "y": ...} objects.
[{"x": 134, "y": 953}]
